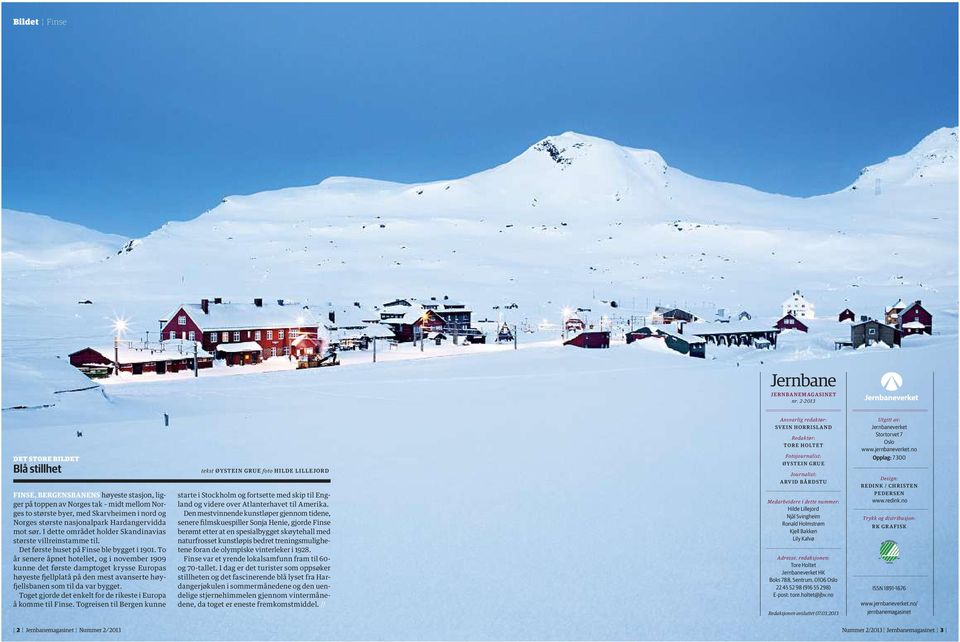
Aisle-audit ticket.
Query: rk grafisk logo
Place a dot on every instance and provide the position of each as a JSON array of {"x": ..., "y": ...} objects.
[{"x": 891, "y": 381}]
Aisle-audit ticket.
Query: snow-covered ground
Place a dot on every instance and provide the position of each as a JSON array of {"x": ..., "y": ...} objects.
[
  {"x": 566, "y": 493},
  {"x": 559, "y": 485}
]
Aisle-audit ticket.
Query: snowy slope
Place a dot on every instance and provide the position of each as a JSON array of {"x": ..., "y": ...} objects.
[
  {"x": 933, "y": 160},
  {"x": 33, "y": 241},
  {"x": 573, "y": 220}
]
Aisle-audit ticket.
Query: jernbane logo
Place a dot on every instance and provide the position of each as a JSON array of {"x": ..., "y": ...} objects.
[{"x": 802, "y": 381}]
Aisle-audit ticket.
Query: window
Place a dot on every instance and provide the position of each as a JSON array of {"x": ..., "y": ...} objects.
[
  {"x": 256, "y": 335},
  {"x": 273, "y": 350},
  {"x": 286, "y": 350},
  {"x": 872, "y": 331},
  {"x": 270, "y": 334},
  {"x": 225, "y": 337},
  {"x": 236, "y": 336},
  {"x": 280, "y": 336},
  {"x": 191, "y": 336},
  {"x": 173, "y": 334},
  {"x": 182, "y": 319},
  {"x": 213, "y": 337}
]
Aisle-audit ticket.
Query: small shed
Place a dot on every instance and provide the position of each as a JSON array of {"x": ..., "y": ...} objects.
[
  {"x": 846, "y": 315},
  {"x": 305, "y": 345},
  {"x": 244, "y": 353},
  {"x": 590, "y": 339},
  {"x": 505, "y": 335}
]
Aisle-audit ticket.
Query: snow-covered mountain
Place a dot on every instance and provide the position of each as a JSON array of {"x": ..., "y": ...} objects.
[
  {"x": 35, "y": 241},
  {"x": 932, "y": 161},
  {"x": 572, "y": 219}
]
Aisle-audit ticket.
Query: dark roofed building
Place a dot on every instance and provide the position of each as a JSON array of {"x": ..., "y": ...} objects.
[{"x": 871, "y": 332}]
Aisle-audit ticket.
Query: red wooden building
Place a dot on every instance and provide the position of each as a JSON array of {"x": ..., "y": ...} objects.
[
  {"x": 790, "y": 322},
  {"x": 237, "y": 332},
  {"x": 846, "y": 315},
  {"x": 167, "y": 357},
  {"x": 416, "y": 323},
  {"x": 914, "y": 319},
  {"x": 408, "y": 318}
]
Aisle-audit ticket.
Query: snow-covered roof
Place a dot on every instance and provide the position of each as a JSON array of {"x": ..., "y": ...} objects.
[
  {"x": 685, "y": 337},
  {"x": 349, "y": 318},
  {"x": 378, "y": 331},
  {"x": 247, "y": 316},
  {"x": 167, "y": 351},
  {"x": 185, "y": 346},
  {"x": 243, "y": 346},
  {"x": 914, "y": 325},
  {"x": 371, "y": 331},
  {"x": 899, "y": 305},
  {"x": 875, "y": 321},
  {"x": 726, "y": 328},
  {"x": 907, "y": 308}
]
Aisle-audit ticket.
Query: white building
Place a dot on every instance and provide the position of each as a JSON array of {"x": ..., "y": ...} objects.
[{"x": 798, "y": 306}]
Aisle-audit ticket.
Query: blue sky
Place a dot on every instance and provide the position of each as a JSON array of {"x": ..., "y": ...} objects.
[{"x": 132, "y": 115}]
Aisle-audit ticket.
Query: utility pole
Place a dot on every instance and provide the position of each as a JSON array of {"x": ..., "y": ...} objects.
[
  {"x": 374, "y": 349},
  {"x": 514, "y": 336},
  {"x": 196, "y": 366},
  {"x": 116, "y": 353}
]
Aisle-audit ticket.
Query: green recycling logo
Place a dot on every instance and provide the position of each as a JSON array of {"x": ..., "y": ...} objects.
[{"x": 889, "y": 551}]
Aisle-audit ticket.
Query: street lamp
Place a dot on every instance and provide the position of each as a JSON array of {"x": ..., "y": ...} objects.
[
  {"x": 119, "y": 327},
  {"x": 565, "y": 313}
]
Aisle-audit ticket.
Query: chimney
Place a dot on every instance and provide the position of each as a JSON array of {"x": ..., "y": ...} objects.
[
  {"x": 258, "y": 303},
  {"x": 332, "y": 315},
  {"x": 218, "y": 300},
  {"x": 205, "y": 305}
]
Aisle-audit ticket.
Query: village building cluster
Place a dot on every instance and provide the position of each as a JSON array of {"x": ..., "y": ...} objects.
[
  {"x": 195, "y": 335},
  {"x": 684, "y": 332}
]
